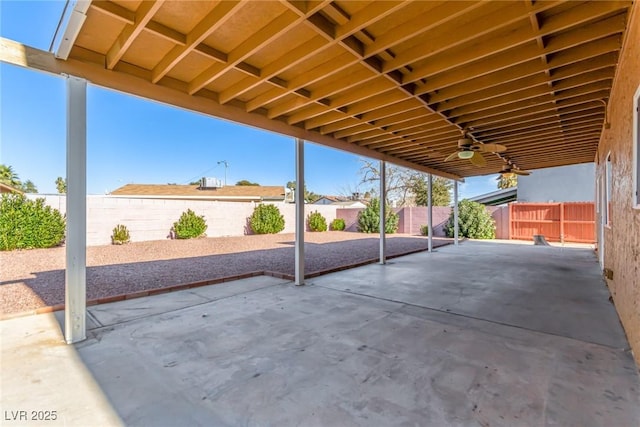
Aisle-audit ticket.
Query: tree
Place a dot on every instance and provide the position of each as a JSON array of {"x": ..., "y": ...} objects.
[
  {"x": 245, "y": 182},
  {"x": 309, "y": 196},
  {"x": 405, "y": 185},
  {"x": 9, "y": 177},
  {"x": 61, "y": 185},
  {"x": 440, "y": 191},
  {"x": 369, "y": 219},
  {"x": 507, "y": 180},
  {"x": 28, "y": 187}
]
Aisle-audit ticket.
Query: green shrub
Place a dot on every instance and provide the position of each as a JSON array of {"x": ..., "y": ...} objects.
[
  {"x": 317, "y": 222},
  {"x": 28, "y": 224},
  {"x": 266, "y": 219},
  {"x": 424, "y": 230},
  {"x": 369, "y": 219},
  {"x": 338, "y": 224},
  {"x": 190, "y": 225},
  {"x": 474, "y": 221},
  {"x": 120, "y": 235}
]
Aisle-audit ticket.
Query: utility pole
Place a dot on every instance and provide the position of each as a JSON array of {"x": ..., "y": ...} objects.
[{"x": 226, "y": 165}]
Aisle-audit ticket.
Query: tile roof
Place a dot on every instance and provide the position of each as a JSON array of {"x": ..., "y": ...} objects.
[{"x": 187, "y": 191}]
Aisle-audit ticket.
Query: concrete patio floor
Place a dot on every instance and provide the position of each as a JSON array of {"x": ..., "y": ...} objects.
[{"x": 484, "y": 334}]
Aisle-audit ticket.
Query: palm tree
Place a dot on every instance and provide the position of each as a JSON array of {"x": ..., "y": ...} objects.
[
  {"x": 9, "y": 177},
  {"x": 61, "y": 185},
  {"x": 29, "y": 187}
]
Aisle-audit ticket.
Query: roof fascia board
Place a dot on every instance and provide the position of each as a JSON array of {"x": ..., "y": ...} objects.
[{"x": 76, "y": 19}]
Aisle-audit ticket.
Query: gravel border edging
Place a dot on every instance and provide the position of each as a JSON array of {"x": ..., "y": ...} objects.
[{"x": 184, "y": 286}]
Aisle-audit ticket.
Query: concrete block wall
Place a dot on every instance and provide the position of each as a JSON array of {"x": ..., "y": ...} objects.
[
  {"x": 622, "y": 236},
  {"x": 152, "y": 219},
  {"x": 412, "y": 218}
]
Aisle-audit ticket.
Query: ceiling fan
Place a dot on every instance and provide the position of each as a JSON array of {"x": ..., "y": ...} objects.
[
  {"x": 509, "y": 169},
  {"x": 470, "y": 150}
]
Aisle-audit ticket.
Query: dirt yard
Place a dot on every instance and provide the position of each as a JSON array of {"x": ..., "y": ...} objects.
[{"x": 33, "y": 279}]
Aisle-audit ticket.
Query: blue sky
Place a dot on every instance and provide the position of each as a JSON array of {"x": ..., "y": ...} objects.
[{"x": 131, "y": 140}]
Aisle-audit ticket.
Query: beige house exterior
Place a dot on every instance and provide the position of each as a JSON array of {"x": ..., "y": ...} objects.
[{"x": 617, "y": 198}]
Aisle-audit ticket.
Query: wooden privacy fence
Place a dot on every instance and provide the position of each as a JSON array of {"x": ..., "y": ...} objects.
[{"x": 557, "y": 222}]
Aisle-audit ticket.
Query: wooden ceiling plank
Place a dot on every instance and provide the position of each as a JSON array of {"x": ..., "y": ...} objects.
[
  {"x": 397, "y": 129},
  {"x": 327, "y": 69},
  {"x": 143, "y": 15},
  {"x": 593, "y": 114},
  {"x": 280, "y": 25},
  {"x": 207, "y": 25},
  {"x": 372, "y": 97},
  {"x": 114, "y": 10},
  {"x": 525, "y": 108},
  {"x": 460, "y": 32},
  {"x": 534, "y": 93},
  {"x": 518, "y": 47},
  {"x": 283, "y": 63},
  {"x": 338, "y": 85},
  {"x": 486, "y": 70},
  {"x": 404, "y": 106},
  {"x": 371, "y": 14},
  {"x": 492, "y": 83},
  {"x": 431, "y": 18},
  {"x": 580, "y": 104}
]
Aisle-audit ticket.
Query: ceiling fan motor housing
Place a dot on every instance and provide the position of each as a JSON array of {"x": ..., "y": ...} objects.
[{"x": 465, "y": 143}]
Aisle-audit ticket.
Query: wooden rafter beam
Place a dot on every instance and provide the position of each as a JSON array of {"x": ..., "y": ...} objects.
[
  {"x": 142, "y": 16},
  {"x": 210, "y": 23}
]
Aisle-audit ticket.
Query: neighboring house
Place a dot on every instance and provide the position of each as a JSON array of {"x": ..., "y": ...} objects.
[
  {"x": 328, "y": 200},
  {"x": 497, "y": 198},
  {"x": 354, "y": 204},
  {"x": 8, "y": 189},
  {"x": 231, "y": 193},
  {"x": 574, "y": 183},
  {"x": 342, "y": 202}
]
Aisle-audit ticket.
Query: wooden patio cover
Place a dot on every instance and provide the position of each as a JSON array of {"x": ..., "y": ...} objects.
[{"x": 394, "y": 80}]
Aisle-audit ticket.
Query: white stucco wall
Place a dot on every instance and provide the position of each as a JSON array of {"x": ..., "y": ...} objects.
[
  {"x": 152, "y": 219},
  {"x": 574, "y": 183}
]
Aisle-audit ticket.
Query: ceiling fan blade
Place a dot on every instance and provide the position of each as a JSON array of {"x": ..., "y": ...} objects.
[
  {"x": 492, "y": 148},
  {"x": 478, "y": 159},
  {"x": 520, "y": 172},
  {"x": 451, "y": 156}
]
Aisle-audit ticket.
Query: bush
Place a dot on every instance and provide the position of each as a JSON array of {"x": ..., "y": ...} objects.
[
  {"x": 338, "y": 224},
  {"x": 190, "y": 225},
  {"x": 120, "y": 235},
  {"x": 369, "y": 219},
  {"x": 474, "y": 221},
  {"x": 317, "y": 222},
  {"x": 424, "y": 230},
  {"x": 266, "y": 219},
  {"x": 28, "y": 224}
]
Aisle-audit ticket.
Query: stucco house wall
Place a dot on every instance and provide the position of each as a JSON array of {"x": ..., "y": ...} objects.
[
  {"x": 573, "y": 183},
  {"x": 622, "y": 237}
]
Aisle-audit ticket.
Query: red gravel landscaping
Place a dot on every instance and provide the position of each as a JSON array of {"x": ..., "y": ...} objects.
[{"x": 35, "y": 278}]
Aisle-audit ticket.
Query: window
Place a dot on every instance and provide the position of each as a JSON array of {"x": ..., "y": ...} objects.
[{"x": 636, "y": 149}]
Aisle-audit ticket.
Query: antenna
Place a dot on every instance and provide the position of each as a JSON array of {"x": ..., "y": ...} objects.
[{"x": 226, "y": 165}]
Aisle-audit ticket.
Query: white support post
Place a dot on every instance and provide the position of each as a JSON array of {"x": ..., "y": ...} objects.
[
  {"x": 455, "y": 213},
  {"x": 383, "y": 212},
  {"x": 300, "y": 220},
  {"x": 76, "y": 240},
  {"x": 430, "y": 213}
]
